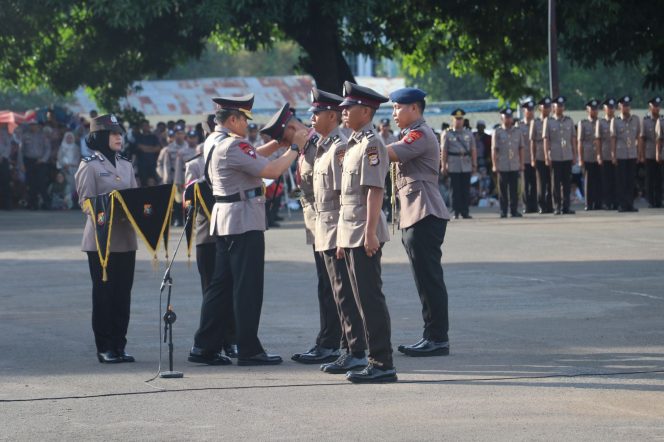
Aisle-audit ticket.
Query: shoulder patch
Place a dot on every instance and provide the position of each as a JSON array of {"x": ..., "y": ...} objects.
[
  {"x": 412, "y": 136},
  {"x": 372, "y": 155},
  {"x": 247, "y": 149}
]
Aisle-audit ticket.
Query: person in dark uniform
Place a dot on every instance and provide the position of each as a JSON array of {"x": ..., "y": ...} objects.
[
  {"x": 589, "y": 156},
  {"x": 608, "y": 170},
  {"x": 625, "y": 130},
  {"x": 459, "y": 160},
  {"x": 529, "y": 171},
  {"x": 234, "y": 169},
  {"x": 560, "y": 148},
  {"x": 362, "y": 228},
  {"x": 104, "y": 171},
  {"x": 326, "y": 348},
  {"x": 649, "y": 150},
  {"x": 507, "y": 146},
  {"x": 423, "y": 218},
  {"x": 538, "y": 157}
]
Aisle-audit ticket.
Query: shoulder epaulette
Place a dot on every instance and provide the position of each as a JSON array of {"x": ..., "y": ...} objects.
[
  {"x": 89, "y": 158},
  {"x": 314, "y": 139},
  {"x": 369, "y": 134},
  {"x": 336, "y": 139},
  {"x": 122, "y": 157},
  {"x": 193, "y": 158}
]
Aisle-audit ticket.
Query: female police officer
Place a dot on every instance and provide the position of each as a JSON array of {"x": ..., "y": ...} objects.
[{"x": 102, "y": 172}]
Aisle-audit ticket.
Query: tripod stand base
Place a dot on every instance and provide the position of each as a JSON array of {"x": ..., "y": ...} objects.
[{"x": 171, "y": 374}]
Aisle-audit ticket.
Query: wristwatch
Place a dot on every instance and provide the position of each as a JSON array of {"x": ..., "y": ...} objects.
[{"x": 294, "y": 147}]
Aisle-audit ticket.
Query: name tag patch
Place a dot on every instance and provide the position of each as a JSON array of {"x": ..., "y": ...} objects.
[{"x": 104, "y": 173}]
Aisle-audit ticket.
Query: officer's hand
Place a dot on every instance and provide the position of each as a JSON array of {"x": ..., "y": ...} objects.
[
  {"x": 599, "y": 161},
  {"x": 300, "y": 138},
  {"x": 532, "y": 163},
  {"x": 580, "y": 163},
  {"x": 547, "y": 162},
  {"x": 371, "y": 244},
  {"x": 614, "y": 161},
  {"x": 494, "y": 168},
  {"x": 340, "y": 253}
]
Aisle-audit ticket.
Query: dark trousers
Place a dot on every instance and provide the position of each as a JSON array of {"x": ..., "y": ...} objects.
[
  {"x": 236, "y": 289},
  {"x": 544, "y": 186},
  {"x": 562, "y": 180},
  {"x": 5, "y": 180},
  {"x": 111, "y": 299},
  {"x": 609, "y": 196},
  {"x": 329, "y": 335},
  {"x": 423, "y": 241},
  {"x": 36, "y": 177},
  {"x": 593, "y": 186},
  {"x": 365, "y": 279},
  {"x": 625, "y": 179},
  {"x": 205, "y": 258},
  {"x": 529, "y": 188},
  {"x": 353, "y": 337},
  {"x": 509, "y": 182},
  {"x": 654, "y": 183},
  {"x": 460, "y": 192}
]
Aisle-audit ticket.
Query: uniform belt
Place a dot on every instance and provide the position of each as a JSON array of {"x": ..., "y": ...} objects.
[
  {"x": 457, "y": 154},
  {"x": 251, "y": 193}
]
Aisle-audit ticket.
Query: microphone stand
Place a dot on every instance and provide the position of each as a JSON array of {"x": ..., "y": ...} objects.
[{"x": 170, "y": 316}]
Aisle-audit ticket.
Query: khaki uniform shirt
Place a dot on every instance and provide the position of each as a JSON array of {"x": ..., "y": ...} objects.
[
  {"x": 365, "y": 165},
  {"x": 330, "y": 153},
  {"x": 536, "y": 134},
  {"x": 194, "y": 171},
  {"x": 305, "y": 166},
  {"x": 234, "y": 168},
  {"x": 166, "y": 162},
  {"x": 35, "y": 146},
  {"x": 603, "y": 133},
  {"x": 649, "y": 135},
  {"x": 659, "y": 130},
  {"x": 626, "y": 133},
  {"x": 524, "y": 127},
  {"x": 458, "y": 145},
  {"x": 506, "y": 143},
  {"x": 586, "y": 139},
  {"x": 560, "y": 132},
  {"x": 417, "y": 174},
  {"x": 95, "y": 176}
]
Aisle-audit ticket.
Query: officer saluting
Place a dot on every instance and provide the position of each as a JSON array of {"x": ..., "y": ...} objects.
[
  {"x": 362, "y": 229},
  {"x": 603, "y": 136},
  {"x": 424, "y": 217},
  {"x": 538, "y": 157},
  {"x": 560, "y": 148},
  {"x": 459, "y": 158},
  {"x": 235, "y": 169},
  {"x": 649, "y": 149},
  {"x": 589, "y": 156},
  {"x": 507, "y": 146},
  {"x": 624, "y": 153}
]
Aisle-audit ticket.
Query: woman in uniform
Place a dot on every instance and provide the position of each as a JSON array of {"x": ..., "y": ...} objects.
[{"x": 102, "y": 172}]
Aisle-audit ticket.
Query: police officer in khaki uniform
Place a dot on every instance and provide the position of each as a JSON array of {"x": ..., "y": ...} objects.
[
  {"x": 538, "y": 157},
  {"x": 459, "y": 160},
  {"x": 625, "y": 130},
  {"x": 649, "y": 149},
  {"x": 507, "y": 146},
  {"x": 529, "y": 171},
  {"x": 167, "y": 166},
  {"x": 330, "y": 150},
  {"x": 362, "y": 228},
  {"x": 234, "y": 168},
  {"x": 183, "y": 155},
  {"x": 589, "y": 156},
  {"x": 560, "y": 148},
  {"x": 423, "y": 219},
  {"x": 104, "y": 171},
  {"x": 608, "y": 169},
  {"x": 36, "y": 151},
  {"x": 659, "y": 137}
]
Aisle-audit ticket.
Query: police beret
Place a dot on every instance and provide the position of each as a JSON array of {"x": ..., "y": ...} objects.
[
  {"x": 560, "y": 99},
  {"x": 106, "y": 122},
  {"x": 407, "y": 95},
  {"x": 458, "y": 113},
  {"x": 277, "y": 125},
  {"x": 592, "y": 104},
  {"x": 355, "y": 94},
  {"x": 507, "y": 112},
  {"x": 242, "y": 104},
  {"x": 546, "y": 101},
  {"x": 655, "y": 101},
  {"x": 610, "y": 102},
  {"x": 192, "y": 133},
  {"x": 171, "y": 132},
  {"x": 322, "y": 101},
  {"x": 528, "y": 104},
  {"x": 626, "y": 100}
]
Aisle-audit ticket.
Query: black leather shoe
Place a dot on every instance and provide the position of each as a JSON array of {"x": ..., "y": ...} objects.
[
  {"x": 296, "y": 356},
  {"x": 260, "y": 359},
  {"x": 569, "y": 212},
  {"x": 108, "y": 357},
  {"x": 372, "y": 375},
  {"x": 317, "y": 355},
  {"x": 503, "y": 215},
  {"x": 557, "y": 212},
  {"x": 516, "y": 215},
  {"x": 231, "y": 350},
  {"x": 467, "y": 216},
  {"x": 429, "y": 348},
  {"x": 125, "y": 357},
  {"x": 345, "y": 363},
  {"x": 456, "y": 216},
  {"x": 401, "y": 348},
  {"x": 202, "y": 356}
]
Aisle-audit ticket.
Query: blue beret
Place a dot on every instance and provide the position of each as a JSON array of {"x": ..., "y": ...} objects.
[{"x": 407, "y": 95}]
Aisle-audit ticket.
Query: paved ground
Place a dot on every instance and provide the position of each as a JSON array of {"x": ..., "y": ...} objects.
[{"x": 557, "y": 334}]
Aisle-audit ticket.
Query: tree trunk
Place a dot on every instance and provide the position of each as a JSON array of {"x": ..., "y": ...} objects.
[{"x": 324, "y": 60}]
